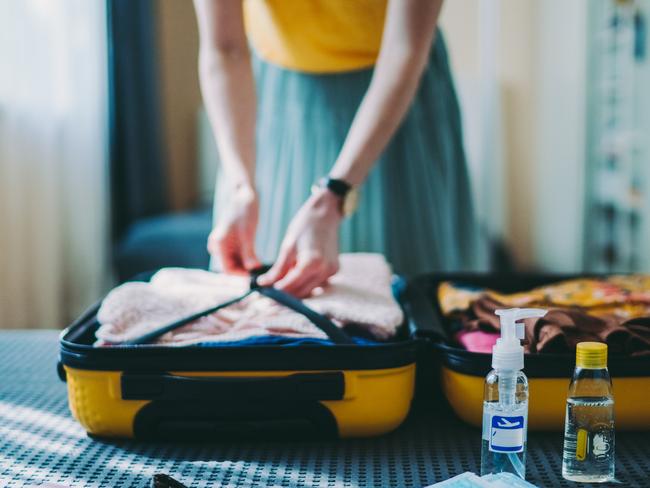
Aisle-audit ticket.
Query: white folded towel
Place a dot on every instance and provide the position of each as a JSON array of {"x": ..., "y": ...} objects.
[{"x": 360, "y": 294}]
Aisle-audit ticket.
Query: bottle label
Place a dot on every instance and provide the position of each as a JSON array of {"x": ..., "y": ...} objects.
[{"x": 506, "y": 433}]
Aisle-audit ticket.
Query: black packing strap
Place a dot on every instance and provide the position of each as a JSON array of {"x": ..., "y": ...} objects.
[
  {"x": 335, "y": 334},
  {"x": 150, "y": 336}
]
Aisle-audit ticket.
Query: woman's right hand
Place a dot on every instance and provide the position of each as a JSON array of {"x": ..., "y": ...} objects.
[{"x": 232, "y": 241}]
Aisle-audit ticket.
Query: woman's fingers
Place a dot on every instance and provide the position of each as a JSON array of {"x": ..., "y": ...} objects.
[
  {"x": 235, "y": 253},
  {"x": 305, "y": 290},
  {"x": 230, "y": 255},
  {"x": 232, "y": 240},
  {"x": 307, "y": 275},
  {"x": 280, "y": 268},
  {"x": 213, "y": 243},
  {"x": 248, "y": 256},
  {"x": 309, "y": 254},
  {"x": 300, "y": 280},
  {"x": 223, "y": 246}
]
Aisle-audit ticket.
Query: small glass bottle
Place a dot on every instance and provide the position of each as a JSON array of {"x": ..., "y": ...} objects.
[{"x": 588, "y": 454}]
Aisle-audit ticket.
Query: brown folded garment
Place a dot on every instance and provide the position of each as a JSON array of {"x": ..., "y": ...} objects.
[{"x": 562, "y": 328}]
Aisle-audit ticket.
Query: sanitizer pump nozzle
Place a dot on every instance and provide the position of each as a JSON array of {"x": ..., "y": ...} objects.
[
  {"x": 505, "y": 402},
  {"x": 508, "y": 353}
]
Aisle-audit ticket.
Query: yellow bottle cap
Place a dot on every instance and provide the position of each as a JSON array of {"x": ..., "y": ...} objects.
[{"x": 591, "y": 355}]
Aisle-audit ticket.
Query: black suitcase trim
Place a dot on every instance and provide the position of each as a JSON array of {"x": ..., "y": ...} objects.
[
  {"x": 246, "y": 358},
  {"x": 191, "y": 407},
  {"x": 234, "y": 419},
  {"x": 77, "y": 351},
  {"x": 163, "y": 386}
]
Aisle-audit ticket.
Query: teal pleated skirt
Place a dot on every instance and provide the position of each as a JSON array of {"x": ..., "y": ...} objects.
[{"x": 415, "y": 207}]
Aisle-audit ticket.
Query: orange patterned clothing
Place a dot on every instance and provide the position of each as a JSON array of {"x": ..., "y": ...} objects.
[{"x": 623, "y": 296}]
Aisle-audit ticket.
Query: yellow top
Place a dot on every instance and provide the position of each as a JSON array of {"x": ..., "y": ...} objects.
[
  {"x": 591, "y": 355},
  {"x": 317, "y": 36}
]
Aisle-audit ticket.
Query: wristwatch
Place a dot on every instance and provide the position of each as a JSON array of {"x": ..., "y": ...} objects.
[{"x": 347, "y": 193}]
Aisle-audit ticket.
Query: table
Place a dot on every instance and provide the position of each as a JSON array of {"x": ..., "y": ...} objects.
[{"x": 40, "y": 441}]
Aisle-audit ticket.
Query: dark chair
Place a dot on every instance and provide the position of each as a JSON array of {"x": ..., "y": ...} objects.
[{"x": 166, "y": 240}]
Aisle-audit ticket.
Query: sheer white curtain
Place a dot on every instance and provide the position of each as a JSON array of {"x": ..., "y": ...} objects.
[{"x": 53, "y": 159}]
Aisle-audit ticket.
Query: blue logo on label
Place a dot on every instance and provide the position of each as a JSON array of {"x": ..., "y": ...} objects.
[
  {"x": 507, "y": 434},
  {"x": 507, "y": 422}
]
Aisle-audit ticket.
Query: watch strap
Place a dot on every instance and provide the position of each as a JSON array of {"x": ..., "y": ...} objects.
[{"x": 336, "y": 186}]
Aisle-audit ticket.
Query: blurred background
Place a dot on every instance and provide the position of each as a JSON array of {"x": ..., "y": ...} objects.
[{"x": 108, "y": 164}]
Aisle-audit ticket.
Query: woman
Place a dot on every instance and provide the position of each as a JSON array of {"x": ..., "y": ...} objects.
[{"x": 342, "y": 86}]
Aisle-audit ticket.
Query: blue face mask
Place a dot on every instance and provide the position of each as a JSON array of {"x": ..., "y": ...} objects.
[{"x": 470, "y": 480}]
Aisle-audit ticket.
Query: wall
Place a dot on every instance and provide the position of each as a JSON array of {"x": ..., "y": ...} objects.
[
  {"x": 560, "y": 138},
  {"x": 459, "y": 21},
  {"x": 540, "y": 65},
  {"x": 516, "y": 64},
  {"x": 491, "y": 43},
  {"x": 181, "y": 97}
]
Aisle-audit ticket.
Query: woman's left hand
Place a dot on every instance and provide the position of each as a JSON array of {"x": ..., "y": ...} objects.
[{"x": 309, "y": 254}]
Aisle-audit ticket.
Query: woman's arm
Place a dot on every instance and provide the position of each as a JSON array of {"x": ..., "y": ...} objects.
[
  {"x": 228, "y": 92},
  {"x": 408, "y": 35},
  {"x": 309, "y": 252}
]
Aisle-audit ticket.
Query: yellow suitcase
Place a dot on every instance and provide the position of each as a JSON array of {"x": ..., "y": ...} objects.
[
  {"x": 149, "y": 391},
  {"x": 460, "y": 373}
]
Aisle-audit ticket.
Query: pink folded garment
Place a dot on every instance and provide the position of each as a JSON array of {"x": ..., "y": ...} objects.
[
  {"x": 477, "y": 340},
  {"x": 360, "y": 294}
]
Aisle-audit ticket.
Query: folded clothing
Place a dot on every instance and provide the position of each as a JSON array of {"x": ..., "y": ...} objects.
[
  {"x": 626, "y": 296},
  {"x": 614, "y": 310},
  {"x": 477, "y": 340},
  {"x": 359, "y": 296}
]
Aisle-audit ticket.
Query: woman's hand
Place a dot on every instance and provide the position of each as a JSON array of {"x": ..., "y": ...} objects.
[
  {"x": 228, "y": 91},
  {"x": 309, "y": 254},
  {"x": 232, "y": 241}
]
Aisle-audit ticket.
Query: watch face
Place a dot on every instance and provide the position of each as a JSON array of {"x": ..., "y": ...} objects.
[{"x": 350, "y": 202}]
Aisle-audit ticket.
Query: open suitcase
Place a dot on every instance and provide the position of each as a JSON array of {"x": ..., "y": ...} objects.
[
  {"x": 462, "y": 373},
  {"x": 213, "y": 392}
]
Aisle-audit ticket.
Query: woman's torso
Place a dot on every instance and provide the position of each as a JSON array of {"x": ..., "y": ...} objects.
[{"x": 317, "y": 36}]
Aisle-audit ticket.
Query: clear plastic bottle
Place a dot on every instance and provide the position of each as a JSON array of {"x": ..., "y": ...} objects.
[
  {"x": 505, "y": 399},
  {"x": 497, "y": 403},
  {"x": 588, "y": 454}
]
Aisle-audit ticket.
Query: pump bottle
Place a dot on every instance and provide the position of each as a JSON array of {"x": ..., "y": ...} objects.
[{"x": 505, "y": 400}]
